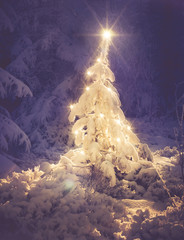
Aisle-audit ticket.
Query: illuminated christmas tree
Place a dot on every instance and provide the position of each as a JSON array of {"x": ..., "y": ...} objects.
[{"x": 100, "y": 127}]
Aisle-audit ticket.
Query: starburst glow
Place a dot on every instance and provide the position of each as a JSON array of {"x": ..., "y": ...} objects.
[
  {"x": 107, "y": 34},
  {"x": 89, "y": 73},
  {"x": 87, "y": 88}
]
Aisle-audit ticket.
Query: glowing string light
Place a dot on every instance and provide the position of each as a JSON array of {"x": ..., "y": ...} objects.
[
  {"x": 87, "y": 88},
  {"x": 89, "y": 73},
  {"x": 82, "y": 152},
  {"x": 101, "y": 115},
  {"x": 109, "y": 89},
  {"x": 118, "y": 121},
  {"x": 98, "y": 60},
  {"x": 76, "y": 132},
  {"x": 71, "y": 106},
  {"x": 118, "y": 139},
  {"x": 129, "y": 128}
]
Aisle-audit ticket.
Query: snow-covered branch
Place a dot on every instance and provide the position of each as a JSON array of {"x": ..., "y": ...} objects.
[
  {"x": 11, "y": 86},
  {"x": 11, "y": 134}
]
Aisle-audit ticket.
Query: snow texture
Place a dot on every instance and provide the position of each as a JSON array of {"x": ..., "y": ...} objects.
[
  {"x": 65, "y": 201},
  {"x": 11, "y": 134},
  {"x": 11, "y": 87}
]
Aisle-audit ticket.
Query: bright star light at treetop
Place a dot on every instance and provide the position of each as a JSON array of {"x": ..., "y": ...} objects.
[{"x": 107, "y": 34}]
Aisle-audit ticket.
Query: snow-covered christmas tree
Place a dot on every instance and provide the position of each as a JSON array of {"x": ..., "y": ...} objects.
[{"x": 100, "y": 127}]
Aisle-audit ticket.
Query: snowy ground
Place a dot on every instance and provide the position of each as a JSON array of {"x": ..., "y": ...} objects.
[{"x": 63, "y": 199}]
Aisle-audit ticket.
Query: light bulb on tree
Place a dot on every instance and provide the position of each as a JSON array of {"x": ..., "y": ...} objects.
[
  {"x": 118, "y": 121},
  {"x": 118, "y": 139},
  {"x": 82, "y": 152},
  {"x": 129, "y": 128},
  {"x": 89, "y": 73},
  {"x": 109, "y": 89}
]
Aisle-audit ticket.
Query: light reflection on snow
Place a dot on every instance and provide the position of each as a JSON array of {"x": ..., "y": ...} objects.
[{"x": 69, "y": 184}]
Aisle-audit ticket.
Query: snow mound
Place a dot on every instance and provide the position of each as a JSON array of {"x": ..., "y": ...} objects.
[
  {"x": 169, "y": 225},
  {"x": 168, "y": 152},
  {"x": 74, "y": 200},
  {"x": 142, "y": 181},
  {"x": 55, "y": 205}
]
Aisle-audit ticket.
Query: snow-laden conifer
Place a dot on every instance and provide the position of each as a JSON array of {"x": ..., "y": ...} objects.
[{"x": 100, "y": 126}]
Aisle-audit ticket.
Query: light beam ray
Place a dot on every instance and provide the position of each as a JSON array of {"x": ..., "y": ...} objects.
[
  {"x": 120, "y": 56},
  {"x": 94, "y": 14},
  {"x": 107, "y": 17},
  {"x": 120, "y": 14}
]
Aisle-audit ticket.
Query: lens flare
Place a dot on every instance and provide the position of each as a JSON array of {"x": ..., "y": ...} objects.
[{"x": 107, "y": 34}]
